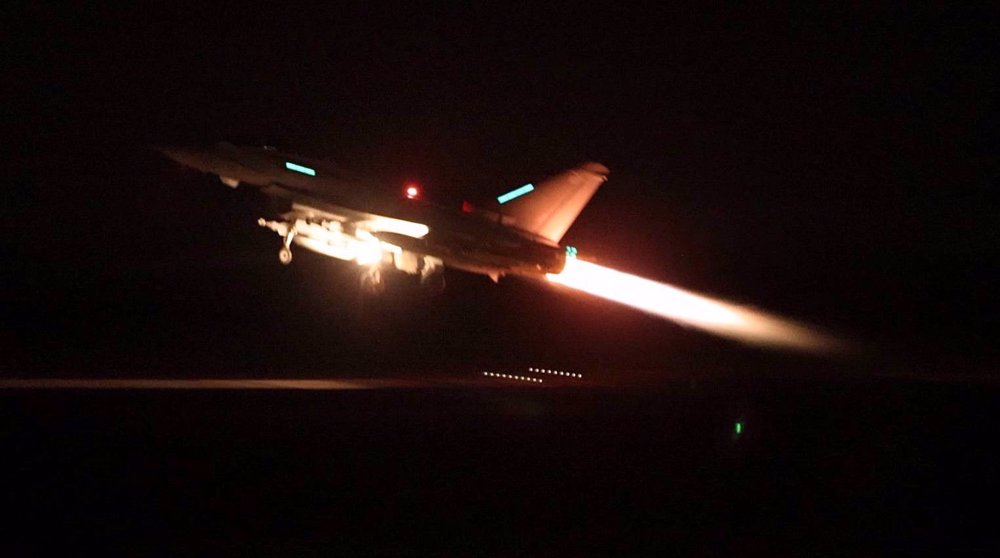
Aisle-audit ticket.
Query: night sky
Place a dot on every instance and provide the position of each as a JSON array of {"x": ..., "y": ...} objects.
[{"x": 834, "y": 165}]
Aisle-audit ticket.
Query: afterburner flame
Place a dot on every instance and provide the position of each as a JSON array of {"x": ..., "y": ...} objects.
[{"x": 714, "y": 316}]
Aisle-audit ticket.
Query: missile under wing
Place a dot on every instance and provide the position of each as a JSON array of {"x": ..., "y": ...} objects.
[{"x": 382, "y": 230}]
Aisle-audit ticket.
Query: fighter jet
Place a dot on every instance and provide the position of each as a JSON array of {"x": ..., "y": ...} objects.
[{"x": 384, "y": 229}]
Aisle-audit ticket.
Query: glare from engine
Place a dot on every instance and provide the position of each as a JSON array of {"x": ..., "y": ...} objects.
[
  {"x": 714, "y": 316},
  {"x": 369, "y": 249},
  {"x": 369, "y": 253}
]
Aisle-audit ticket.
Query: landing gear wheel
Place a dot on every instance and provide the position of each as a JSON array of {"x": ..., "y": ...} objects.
[
  {"x": 372, "y": 282},
  {"x": 433, "y": 283},
  {"x": 285, "y": 255}
]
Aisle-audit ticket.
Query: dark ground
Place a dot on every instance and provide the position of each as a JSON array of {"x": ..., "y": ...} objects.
[{"x": 840, "y": 467}]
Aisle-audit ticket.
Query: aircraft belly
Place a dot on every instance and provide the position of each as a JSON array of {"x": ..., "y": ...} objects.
[{"x": 471, "y": 258}]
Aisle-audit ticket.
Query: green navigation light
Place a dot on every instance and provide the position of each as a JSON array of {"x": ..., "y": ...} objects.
[
  {"x": 516, "y": 193},
  {"x": 299, "y": 168},
  {"x": 738, "y": 428}
]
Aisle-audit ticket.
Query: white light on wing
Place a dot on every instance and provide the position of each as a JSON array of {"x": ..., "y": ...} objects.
[{"x": 377, "y": 223}]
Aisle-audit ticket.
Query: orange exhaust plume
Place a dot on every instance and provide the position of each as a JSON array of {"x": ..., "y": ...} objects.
[{"x": 714, "y": 316}]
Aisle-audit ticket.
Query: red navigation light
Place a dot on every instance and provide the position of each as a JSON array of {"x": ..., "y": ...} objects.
[{"x": 411, "y": 191}]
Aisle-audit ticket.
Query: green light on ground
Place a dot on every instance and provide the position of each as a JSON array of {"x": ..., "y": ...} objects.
[
  {"x": 738, "y": 428},
  {"x": 516, "y": 193},
  {"x": 299, "y": 168}
]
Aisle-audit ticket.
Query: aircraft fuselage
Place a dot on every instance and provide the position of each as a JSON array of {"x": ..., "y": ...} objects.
[{"x": 350, "y": 219}]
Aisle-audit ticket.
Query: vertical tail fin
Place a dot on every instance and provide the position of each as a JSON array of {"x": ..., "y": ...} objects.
[{"x": 551, "y": 208}]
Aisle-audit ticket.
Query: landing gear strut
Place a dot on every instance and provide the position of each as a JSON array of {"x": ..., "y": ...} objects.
[
  {"x": 287, "y": 232},
  {"x": 371, "y": 281},
  {"x": 433, "y": 281}
]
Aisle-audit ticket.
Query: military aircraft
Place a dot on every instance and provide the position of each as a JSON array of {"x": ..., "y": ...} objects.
[{"x": 383, "y": 229}]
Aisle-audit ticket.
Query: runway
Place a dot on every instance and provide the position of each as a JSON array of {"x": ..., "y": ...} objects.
[
  {"x": 209, "y": 384},
  {"x": 474, "y": 380}
]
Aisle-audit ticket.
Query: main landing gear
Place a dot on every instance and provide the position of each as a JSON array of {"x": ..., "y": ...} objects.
[
  {"x": 432, "y": 280},
  {"x": 372, "y": 281}
]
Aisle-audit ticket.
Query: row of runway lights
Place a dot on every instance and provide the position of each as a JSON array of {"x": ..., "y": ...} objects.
[
  {"x": 513, "y": 377},
  {"x": 555, "y": 372},
  {"x": 530, "y": 379}
]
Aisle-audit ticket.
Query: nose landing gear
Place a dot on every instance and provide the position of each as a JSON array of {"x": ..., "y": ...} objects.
[
  {"x": 287, "y": 232},
  {"x": 285, "y": 254}
]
